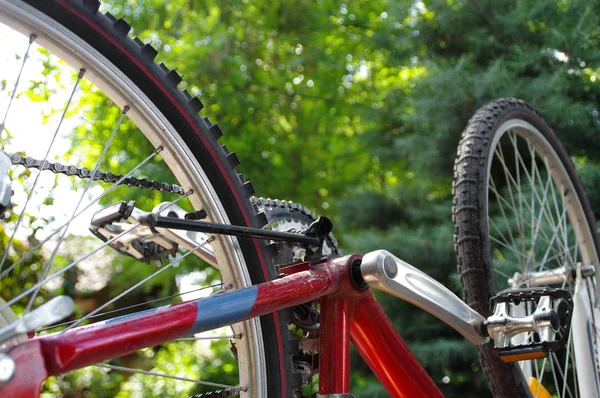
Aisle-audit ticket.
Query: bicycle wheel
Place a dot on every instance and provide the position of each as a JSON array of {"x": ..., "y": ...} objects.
[
  {"x": 154, "y": 113},
  {"x": 522, "y": 220}
]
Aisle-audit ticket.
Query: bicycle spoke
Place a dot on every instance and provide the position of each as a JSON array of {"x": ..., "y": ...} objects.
[
  {"x": 231, "y": 336},
  {"x": 554, "y": 235},
  {"x": 539, "y": 376},
  {"x": 131, "y": 370},
  {"x": 68, "y": 267},
  {"x": 129, "y": 307},
  {"x": 566, "y": 369},
  {"x": 554, "y": 359},
  {"x": 512, "y": 249},
  {"x": 560, "y": 222},
  {"x": 498, "y": 199},
  {"x": 544, "y": 203},
  {"x": 74, "y": 263},
  {"x": 38, "y": 245},
  {"x": 16, "y": 85},
  {"x": 140, "y": 283},
  {"x": 93, "y": 202},
  {"x": 508, "y": 177},
  {"x": 543, "y": 233},
  {"x": 501, "y": 200},
  {"x": 548, "y": 226},
  {"x": 87, "y": 187},
  {"x": 42, "y": 167},
  {"x": 513, "y": 138}
]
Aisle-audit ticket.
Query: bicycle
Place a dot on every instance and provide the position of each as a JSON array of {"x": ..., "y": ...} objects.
[{"x": 259, "y": 301}]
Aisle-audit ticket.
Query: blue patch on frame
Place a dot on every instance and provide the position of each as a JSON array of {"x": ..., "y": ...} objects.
[{"x": 223, "y": 309}]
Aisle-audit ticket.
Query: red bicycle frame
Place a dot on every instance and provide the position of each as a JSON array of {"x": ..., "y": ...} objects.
[{"x": 348, "y": 314}]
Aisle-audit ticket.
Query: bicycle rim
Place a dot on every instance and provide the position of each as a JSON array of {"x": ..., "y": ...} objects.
[
  {"x": 534, "y": 229},
  {"x": 216, "y": 187}
]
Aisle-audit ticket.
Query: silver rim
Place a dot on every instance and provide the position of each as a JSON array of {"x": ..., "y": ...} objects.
[
  {"x": 538, "y": 233},
  {"x": 181, "y": 162}
]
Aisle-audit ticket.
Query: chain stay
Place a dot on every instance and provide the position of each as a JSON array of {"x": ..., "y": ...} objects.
[{"x": 84, "y": 173}]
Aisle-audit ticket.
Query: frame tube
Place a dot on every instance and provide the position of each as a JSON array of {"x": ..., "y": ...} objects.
[
  {"x": 385, "y": 352},
  {"x": 334, "y": 361},
  {"x": 347, "y": 314}
]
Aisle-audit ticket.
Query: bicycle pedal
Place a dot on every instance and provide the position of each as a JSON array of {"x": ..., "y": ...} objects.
[
  {"x": 529, "y": 323},
  {"x": 143, "y": 244},
  {"x": 523, "y": 352}
]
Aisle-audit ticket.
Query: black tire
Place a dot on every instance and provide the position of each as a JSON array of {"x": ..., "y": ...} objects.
[
  {"x": 109, "y": 36},
  {"x": 475, "y": 163}
]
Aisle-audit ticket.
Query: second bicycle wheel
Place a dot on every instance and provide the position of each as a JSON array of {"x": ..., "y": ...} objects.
[{"x": 522, "y": 220}]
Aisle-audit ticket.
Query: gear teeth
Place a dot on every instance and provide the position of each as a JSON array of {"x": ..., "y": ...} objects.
[
  {"x": 121, "y": 27},
  {"x": 215, "y": 131},
  {"x": 207, "y": 120},
  {"x": 149, "y": 52},
  {"x": 273, "y": 204},
  {"x": 257, "y": 201},
  {"x": 173, "y": 78},
  {"x": 195, "y": 105},
  {"x": 91, "y": 6},
  {"x": 188, "y": 96}
]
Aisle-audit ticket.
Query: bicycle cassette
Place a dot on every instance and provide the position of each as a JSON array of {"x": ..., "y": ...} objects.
[{"x": 529, "y": 323}]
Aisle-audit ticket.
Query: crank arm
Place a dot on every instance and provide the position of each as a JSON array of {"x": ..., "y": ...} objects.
[{"x": 384, "y": 271}]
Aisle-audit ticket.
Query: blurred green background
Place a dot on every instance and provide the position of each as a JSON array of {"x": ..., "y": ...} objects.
[{"x": 355, "y": 108}]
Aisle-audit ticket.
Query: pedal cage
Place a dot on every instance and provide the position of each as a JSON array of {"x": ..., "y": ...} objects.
[
  {"x": 537, "y": 349},
  {"x": 144, "y": 244}
]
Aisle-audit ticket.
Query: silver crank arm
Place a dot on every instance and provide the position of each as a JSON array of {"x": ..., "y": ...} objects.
[{"x": 384, "y": 271}]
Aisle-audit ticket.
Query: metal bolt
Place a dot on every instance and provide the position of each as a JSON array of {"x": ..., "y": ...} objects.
[
  {"x": 7, "y": 368},
  {"x": 390, "y": 267}
]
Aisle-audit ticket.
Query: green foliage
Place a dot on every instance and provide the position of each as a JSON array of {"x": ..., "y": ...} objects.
[{"x": 354, "y": 110}]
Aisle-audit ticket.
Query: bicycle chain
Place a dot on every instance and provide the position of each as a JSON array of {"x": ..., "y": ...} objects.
[
  {"x": 85, "y": 173},
  {"x": 228, "y": 392}
]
